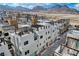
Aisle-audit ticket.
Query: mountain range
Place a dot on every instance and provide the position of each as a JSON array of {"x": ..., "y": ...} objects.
[{"x": 63, "y": 9}]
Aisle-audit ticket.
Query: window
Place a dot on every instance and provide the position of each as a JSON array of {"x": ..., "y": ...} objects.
[
  {"x": 41, "y": 37},
  {"x": 35, "y": 38},
  {"x": 37, "y": 29},
  {"x": 44, "y": 41},
  {"x": 6, "y": 34},
  {"x": 53, "y": 30},
  {"x": 47, "y": 44},
  {"x": 9, "y": 46},
  {"x": 9, "y": 37},
  {"x": 26, "y": 42},
  {"x": 37, "y": 45},
  {"x": 41, "y": 27},
  {"x": 1, "y": 39},
  {"x": 46, "y": 27},
  {"x": 43, "y": 47},
  {"x": 48, "y": 31},
  {"x": 35, "y": 53},
  {"x": 0, "y": 44},
  {"x": 2, "y": 54},
  {"x": 49, "y": 37},
  {"x": 51, "y": 40},
  {"x": 40, "y": 43},
  {"x": 26, "y": 52}
]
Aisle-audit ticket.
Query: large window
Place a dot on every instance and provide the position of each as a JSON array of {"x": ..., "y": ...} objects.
[
  {"x": 27, "y": 52},
  {"x": 0, "y": 33},
  {"x": 6, "y": 34},
  {"x": 2, "y": 54},
  {"x": 26, "y": 42}
]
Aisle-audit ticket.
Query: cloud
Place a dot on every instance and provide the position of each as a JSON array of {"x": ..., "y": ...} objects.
[
  {"x": 46, "y": 5},
  {"x": 31, "y": 5},
  {"x": 77, "y": 6},
  {"x": 27, "y": 5}
]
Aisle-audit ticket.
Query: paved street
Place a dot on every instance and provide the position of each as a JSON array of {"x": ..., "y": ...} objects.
[{"x": 54, "y": 46}]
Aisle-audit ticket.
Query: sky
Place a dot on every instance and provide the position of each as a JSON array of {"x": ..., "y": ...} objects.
[{"x": 31, "y": 5}]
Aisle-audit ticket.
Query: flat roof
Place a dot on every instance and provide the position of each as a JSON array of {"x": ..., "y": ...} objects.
[
  {"x": 73, "y": 34},
  {"x": 22, "y": 25},
  {"x": 76, "y": 32}
]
